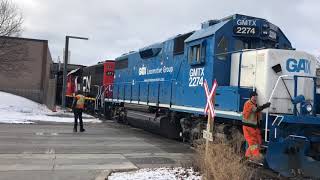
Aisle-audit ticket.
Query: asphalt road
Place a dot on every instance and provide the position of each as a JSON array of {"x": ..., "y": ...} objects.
[{"x": 52, "y": 151}]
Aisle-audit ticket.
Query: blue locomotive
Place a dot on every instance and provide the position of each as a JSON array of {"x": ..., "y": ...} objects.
[{"x": 160, "y": 88}]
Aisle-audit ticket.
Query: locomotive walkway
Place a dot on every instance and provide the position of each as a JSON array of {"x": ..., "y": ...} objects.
[{"x": 53, "y": 151}]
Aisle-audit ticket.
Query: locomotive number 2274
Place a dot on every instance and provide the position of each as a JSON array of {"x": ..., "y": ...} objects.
[
  {"x": 245, "y": 30},
  {"x": 196, "y": 77}
]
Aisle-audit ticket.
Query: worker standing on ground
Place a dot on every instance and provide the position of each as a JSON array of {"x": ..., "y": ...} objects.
[
  {"x": 78, "y": 106},
  {"x": 251, "y": 119}
]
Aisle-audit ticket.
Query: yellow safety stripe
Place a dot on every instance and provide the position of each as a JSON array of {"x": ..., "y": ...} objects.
[
  {"x": 86, "y": 98},
  {"x": 253, "y": 147},
  {"x": 249, "y": 122}
]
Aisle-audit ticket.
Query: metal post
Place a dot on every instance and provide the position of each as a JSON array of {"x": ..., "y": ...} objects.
[
  {"x": 66, "y": 53},
  {"x": 314, "y": 96},
  {"x": 295, "y": 110},
  {"x": 239, "y": 70}
]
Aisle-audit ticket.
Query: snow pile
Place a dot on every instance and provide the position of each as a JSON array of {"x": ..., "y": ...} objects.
[
  {"x": 177, "y": 173},
  {"x": 16, "y": 109}
]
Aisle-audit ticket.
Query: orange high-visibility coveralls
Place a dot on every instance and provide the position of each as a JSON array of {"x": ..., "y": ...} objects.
[{"x": 251, "y": 132}]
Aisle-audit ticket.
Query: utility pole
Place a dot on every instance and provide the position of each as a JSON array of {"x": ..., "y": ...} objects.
[{"x": 66, "y": 55}]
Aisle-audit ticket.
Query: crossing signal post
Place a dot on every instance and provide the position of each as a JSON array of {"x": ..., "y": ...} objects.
[{"x": 209, "y": 109}]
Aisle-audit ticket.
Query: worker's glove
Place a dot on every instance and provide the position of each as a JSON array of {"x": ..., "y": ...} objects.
[{"x": 266, "y": 105}]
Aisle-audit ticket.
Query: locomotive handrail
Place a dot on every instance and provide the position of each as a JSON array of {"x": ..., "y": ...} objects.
[
  {"x": 274, "y": 88},
  {"x": 267, "y": 113},
  {"x": 120, "y": 87},
  {"x": 295, "y": 94},
  {"x": 141, "y": 82},
  {"x": 242, "y": 50},
  {"x": 98, "y": 96}
]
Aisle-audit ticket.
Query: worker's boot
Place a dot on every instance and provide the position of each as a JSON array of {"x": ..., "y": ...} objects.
[
  {"x": 75, "y": 128},
  {"x": 258, "y": 160},
  {"x": 82, "y": 129}
]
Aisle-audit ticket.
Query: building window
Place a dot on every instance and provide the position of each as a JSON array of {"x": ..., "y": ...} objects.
[{"x": 222, "y": 48}]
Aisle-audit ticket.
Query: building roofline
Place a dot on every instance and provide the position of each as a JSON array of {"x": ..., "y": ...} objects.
[
  {"x": 25, "y": 39},
  {"x": 70, "y": 64}
]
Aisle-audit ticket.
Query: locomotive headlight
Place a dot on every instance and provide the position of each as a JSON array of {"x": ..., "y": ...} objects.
[{"x": 309, "y": 107}]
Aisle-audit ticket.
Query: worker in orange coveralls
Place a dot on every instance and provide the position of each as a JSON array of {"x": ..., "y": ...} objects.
[{"x": 251, "y": 119}]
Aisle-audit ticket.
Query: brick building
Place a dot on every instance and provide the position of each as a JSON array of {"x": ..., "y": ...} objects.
[{"x": 25, "y": 69}]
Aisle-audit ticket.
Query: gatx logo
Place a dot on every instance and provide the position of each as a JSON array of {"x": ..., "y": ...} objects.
[
  {"x": 294, "y": 65},
  {"x": 142, "y": 71}
]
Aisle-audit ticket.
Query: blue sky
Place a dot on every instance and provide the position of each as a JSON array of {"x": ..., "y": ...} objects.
[{"x": 115, "y": 27}]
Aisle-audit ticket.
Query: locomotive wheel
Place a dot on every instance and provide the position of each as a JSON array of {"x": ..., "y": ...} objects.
[
  {"x": 108, "y": 111},
  {"x": 121, "y": 115},
  {"x": 169, "y": 128}
]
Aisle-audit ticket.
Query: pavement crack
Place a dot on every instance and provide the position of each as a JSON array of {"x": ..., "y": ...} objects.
[
  {"x": 54, "y": 160},
  {"x": 54, "y": 163}
]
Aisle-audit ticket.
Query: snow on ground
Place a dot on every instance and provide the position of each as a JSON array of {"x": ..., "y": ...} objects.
[
  {"x": 16, "y": 109},
  {"x": 177, "y": 173}
]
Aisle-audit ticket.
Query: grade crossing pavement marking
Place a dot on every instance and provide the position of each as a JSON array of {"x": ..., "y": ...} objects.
[
  {"x": 50, "y": 151},
  {"x": 39, "y": 133},
  {"x": 43, "y": 133}
]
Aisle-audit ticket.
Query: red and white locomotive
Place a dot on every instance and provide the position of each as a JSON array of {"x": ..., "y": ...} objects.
[{"x": 94, "y": 81}]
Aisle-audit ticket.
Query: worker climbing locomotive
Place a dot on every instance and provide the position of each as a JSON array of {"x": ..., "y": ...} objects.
[{"x": 159, "y": 88}]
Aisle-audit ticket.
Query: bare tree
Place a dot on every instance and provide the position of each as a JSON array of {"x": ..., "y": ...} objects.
[
  {"x": 10, "y": 19},
  {"x": 12, "y": 50}
]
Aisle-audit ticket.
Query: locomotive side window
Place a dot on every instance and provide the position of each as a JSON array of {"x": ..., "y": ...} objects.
[
  {"x": 121, "y": 64},
  {"x": 222, "y": 48},
  {"x": 149, "y": 53},
  {"x": 194, "y": 54},
  {"x": 197, "y": 53},
  {"x": 318, "y": 77},
  {"x": 178, "y": 47},
  {"x": 190, "y": 55},
  {"x": 239, "y": 45}
]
